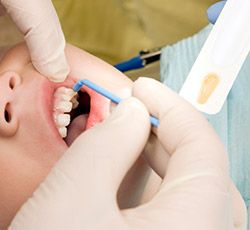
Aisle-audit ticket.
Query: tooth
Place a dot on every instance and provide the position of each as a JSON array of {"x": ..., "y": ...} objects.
[
  {"x": 63, "y": 131},
  {"x": 66, "y": 91},
  {"x": 63, "y": 97},
  {"x": 62, "y": 120},
  {"x": 74, "y": 102},
  {"x": 112, "y": 107},
  {"x": 63, "y": 106}
]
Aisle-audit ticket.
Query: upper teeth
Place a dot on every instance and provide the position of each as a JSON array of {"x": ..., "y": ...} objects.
[
  {"x": 62, "y": 106},
  {"x": 74, "y": 102},
  {"x": 63, "y": 103},
  {"x": 62, "y": 119}
]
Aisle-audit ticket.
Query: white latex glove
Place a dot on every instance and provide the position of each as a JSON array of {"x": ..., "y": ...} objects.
[
  {"x": 196, "y": 193},
  {"x": 38, "y": 22}
]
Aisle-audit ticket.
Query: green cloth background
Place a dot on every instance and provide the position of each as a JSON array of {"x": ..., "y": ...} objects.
[{"x": 115, "y": 30}]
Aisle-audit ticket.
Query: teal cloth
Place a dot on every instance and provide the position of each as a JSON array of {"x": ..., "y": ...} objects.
[{"x": 233, "y": 122}]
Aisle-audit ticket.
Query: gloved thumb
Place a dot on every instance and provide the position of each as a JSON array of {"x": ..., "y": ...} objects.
[
  {"x": 107, "y": 151},
  {"x": 38, "y": 22},
  {"x": 83, "y": 184}
]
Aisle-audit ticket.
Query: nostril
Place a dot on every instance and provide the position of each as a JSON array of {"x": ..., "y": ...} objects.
[
  {"x": 7, "y": 114},
  {"x": 14, "y": 81},
  {"x": 8, "y": 121}
]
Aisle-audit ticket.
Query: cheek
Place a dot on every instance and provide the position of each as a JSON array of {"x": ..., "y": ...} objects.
[
  {"x": 37, "y": 144},
  {"x": 34, "y": 146},
  {"x": 20, "y": 176},
  {"x": 37, "y": 136}
]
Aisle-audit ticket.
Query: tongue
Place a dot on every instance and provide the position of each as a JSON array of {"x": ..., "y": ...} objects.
[
  {"x": 99, "y": 110},
  {"x": 77, "y": 126}
]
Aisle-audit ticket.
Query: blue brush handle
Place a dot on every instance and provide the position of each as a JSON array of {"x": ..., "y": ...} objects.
[
  {"x": 154, "y": 121},
  {"x": 133, "y": 63}
]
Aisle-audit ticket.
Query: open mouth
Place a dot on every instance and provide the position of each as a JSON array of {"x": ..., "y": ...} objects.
[{"x": 76, "y": 112}]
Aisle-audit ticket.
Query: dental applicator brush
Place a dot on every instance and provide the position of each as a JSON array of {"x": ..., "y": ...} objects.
[
  {"x": 220, "y": 60},
  {"x": 153, "y": 120}
]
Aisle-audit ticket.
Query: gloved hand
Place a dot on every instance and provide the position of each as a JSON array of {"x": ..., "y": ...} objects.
[
  {"x": 196, "y": 193},
  {"x": 39, "y": 24},
  {"x": 214, "y": 11}
]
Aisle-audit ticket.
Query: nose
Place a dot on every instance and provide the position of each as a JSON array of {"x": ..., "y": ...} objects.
[{"x": 9, "y": 81}]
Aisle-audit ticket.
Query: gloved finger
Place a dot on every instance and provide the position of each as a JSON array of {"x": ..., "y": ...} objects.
[
  {"x": 198, "y": 164},
  {"x": 112, "y": 146},
  {"x": 239, "y": 209},
  {"x": 156, "y": 156},
  {"x": 38, "y": 22},
  {"x": 83, "y": 184},
  {"x": 184, "y": 133},
  {"x": 214, "y": 11}
]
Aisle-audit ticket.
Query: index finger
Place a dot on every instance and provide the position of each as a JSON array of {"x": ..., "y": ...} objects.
[{"x": 185, "y": 134}]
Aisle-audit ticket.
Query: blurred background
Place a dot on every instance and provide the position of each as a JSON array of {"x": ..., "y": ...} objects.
[{"x": 116, "y": 30}]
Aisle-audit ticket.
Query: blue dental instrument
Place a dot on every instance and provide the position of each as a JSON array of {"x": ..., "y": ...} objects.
[
  {"x": 153, "y": 120},
  {"x": 144, "y": 58}
]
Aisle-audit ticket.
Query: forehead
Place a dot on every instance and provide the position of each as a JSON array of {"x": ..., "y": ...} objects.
[
  {"x": 14, "y": 58},
  {"x": 2, "y": 52}
]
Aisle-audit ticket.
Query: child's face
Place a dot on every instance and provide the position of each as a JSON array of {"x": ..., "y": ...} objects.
[{"x": 30, "y": 143}]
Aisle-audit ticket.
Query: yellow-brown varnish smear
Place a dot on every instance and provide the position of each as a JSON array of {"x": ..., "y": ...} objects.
[{"x": 209, "y": 84}]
